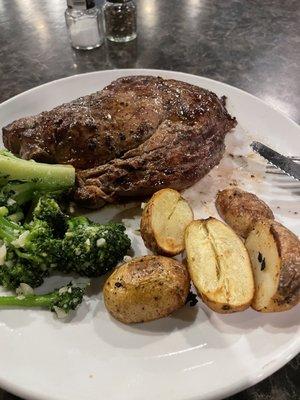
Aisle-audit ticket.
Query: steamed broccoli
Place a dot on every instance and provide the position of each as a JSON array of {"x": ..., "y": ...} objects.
[
  {"x": 61, "y": 301},
  {"x": 54, "y": 241},
  {"x": 92, "y": 249},
  {"x": 13, "y": 273},
  {"x": 48, "y": 210},
  {"x": 47, "y": 177},
  {"x": 12, "y": 197},
  {"x": 33, "y": 241},
  {"x": 29, "y": 252},
  {"x": 21, "y": 180}
]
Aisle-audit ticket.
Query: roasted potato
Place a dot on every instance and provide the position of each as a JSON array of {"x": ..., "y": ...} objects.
[
  {"x": 219, "y": 266},
  {"x": 275, "y": 256},
  {"x": 241, "y": 210},
  {"x": 163, "y": 222},
  {"x": 146, "y": 288}
]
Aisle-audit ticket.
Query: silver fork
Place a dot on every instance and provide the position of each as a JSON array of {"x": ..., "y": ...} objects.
[{"x": 282, "y": 180}]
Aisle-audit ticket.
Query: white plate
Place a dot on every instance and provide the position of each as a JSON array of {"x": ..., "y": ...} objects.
[{"x": 195, "y": 354}]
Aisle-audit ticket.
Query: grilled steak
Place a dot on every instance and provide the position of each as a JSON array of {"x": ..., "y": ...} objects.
[{"x": 139, "y": 134}]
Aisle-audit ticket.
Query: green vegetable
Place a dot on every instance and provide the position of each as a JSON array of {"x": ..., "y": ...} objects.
[
  {"x": 92, "y": 249},
  {"x": 61, "y": 301},
  {"x": 22, "y": 180},
  {"x": 12, "y": 196},
  {"x": 31, "y": 252},
  {"x": 54, "y": 241},
  {"x": 48, "y": 177},
  {"x": 48, "y": 240},
  {"x": 14, "y": 272},
  {"x": 48, "y": 210},
  {"x": 33, "y": 241}
]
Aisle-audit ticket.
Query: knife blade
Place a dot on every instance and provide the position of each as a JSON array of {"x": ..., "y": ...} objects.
[{"x": 288, "y": 166}]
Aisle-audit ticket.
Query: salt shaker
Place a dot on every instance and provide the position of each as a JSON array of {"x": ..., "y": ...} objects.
[
  {"x": 84, "y": 24},
  {"x": 120, "y": 20}
]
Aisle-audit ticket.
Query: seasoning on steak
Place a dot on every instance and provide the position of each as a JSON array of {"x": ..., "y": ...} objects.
[{"x": 138, "y": 135}]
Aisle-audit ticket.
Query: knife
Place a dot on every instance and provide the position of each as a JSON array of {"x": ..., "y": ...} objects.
[{"x": 288, "y": 166}]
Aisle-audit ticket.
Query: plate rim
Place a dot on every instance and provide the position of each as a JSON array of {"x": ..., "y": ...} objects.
[{"x": 246, "y": 381}]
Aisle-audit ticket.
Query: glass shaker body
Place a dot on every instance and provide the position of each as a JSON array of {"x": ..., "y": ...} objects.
[
  {"x": 84, "y": 28},
  {"x": 120, "y": 20}
]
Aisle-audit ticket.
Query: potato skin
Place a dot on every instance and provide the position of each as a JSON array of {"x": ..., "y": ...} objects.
[
  {"x": 146, "y": 288},
  {"x": 221, "y": 308},
  {"x": 241, "y": 210},
  {"x": 148, "y": 233},
  {"x": 277, "y": 284},
  {"x": 288, "y": 245}
]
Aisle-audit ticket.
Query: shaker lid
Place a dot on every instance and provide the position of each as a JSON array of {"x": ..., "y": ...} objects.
[{"x": 81, "y": 4}]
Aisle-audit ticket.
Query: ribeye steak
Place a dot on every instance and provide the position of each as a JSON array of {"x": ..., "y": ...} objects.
[{"x": 138, "y": 135}]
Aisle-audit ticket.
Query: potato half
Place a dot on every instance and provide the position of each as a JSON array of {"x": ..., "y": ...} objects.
[
  {"x": 163, "y": 222},
  {"x": 146, "y": 288},
  {"x": 275, "y": 256},
  {"x": 219, "y": 266},
  {"x": 241, "y": 210}
]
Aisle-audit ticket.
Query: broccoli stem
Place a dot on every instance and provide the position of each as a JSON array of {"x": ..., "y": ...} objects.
[
  {"x": 42, "y": 301},
  {"x": 61, "y": 300},
  {"x": 21, "y": 192},
  {"x": 45, "y": 176},
  {"x": 3, "y": 211},
  {"x": 16, "y": 217},
  {"x": 9, "y": 230}
]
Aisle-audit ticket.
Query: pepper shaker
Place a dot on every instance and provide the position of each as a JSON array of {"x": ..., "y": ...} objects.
[
  {"x": 120, "y": 20},
  {"x": 84, "y": 24}
]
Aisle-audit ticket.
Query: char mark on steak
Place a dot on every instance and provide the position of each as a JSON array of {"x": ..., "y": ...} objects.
[{"x": 139, "y": 134}]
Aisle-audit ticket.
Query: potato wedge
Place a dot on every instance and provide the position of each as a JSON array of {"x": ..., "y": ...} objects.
[
  {"x": 241, "y": 210},
  {"x": 146, "y": 288},
  {"x": 163, "y": 222},
  {"x": 219, "y": 266},
  {"x": 275, "y": 256}
]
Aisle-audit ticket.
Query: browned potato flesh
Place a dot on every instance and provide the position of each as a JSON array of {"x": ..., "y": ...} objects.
[
  {"x": 163, "y": 222},
  {"x": 219, "y": 266},
  {"x": 146, "y": 288},
  {"x": 241, "y": 210},
  {"x": 275, "y": 256}
]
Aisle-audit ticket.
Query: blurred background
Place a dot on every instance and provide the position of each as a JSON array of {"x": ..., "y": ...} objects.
[{"x": 250, "y": 44}]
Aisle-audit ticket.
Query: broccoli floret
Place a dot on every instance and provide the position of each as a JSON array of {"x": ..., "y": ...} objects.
[
  {"x": 31, "y": 252},
  {"x": 33, "y": 241},
  {"x": 61, "y": 301},
  {"x": 40, "y": 247},
  {"x": 48, "y": 210},
  {"x": 80, "y": 221},
  {"x": 14, "y": 272},
  {"x": 12, "y": 197},
  {"x": 21, "y": 181},
  {"x": 92, "y": 249}
]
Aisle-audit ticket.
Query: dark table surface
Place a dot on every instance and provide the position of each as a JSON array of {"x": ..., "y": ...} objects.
[{"x": 250, "y": 44}]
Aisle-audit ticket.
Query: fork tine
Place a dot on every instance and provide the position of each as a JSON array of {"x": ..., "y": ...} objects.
[
  {"x": 272, "y": 170},
  {"x": 283, "y": 180},
  {"x": 271, "y": 167}
]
